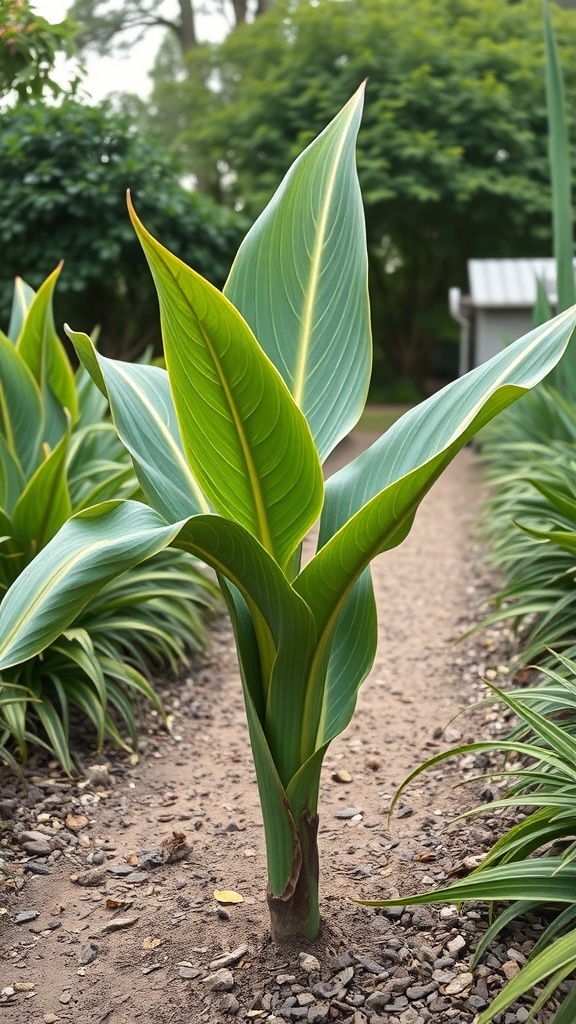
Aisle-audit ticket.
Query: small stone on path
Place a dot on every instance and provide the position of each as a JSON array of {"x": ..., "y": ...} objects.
[
  {"x": 309, "y": 963},
  {"x": 348, "y": 812},
  {"x": 26, "y": 915},
  {"x": 219, "y": 981}
]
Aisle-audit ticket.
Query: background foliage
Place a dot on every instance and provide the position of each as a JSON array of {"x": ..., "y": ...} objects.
[
  {"x": 65, "y": 171},
  {"x": 29, "y": 47},
  {"x": 453, "y": 151}
]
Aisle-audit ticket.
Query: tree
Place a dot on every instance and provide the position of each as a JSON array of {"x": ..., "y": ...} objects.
[
  {"x": 29, "y": 47},
  {"x": 453, "y": 151},
  {"x": 117, "y": 24},
  {"x": 65, "y": 172}
]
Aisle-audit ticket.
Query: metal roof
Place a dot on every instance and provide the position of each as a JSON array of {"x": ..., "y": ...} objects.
[{"x": 510, "y": 283}]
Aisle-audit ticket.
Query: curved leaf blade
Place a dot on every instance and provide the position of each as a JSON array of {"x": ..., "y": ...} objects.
[
  {"x": 99, "y": 543},
  {"x": 371, "y": 503},
  {"x": 21, "y": 302},
  {"x": 21, "y": 412},
  {"x": 247, "y": 443},
  {"x": 41, "y": 349},
  {"x": 144, "y": 416},
  {"x": 44, "y": 505},
  {"x": 300, "y": 281},
  {"x": 559, "y": 958},
  {"x": 91, "y": 548},
  {"x": 546, "y": 880},
  {"x": 351, "y": 657}
]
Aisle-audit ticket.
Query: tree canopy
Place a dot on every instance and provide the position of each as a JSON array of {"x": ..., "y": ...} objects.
[
  {"x": 65, "y": 171},
  {"x": 29, "y": 47},
  {"x": 106, "y": 25},
  {"x": 453, "y": 152}
]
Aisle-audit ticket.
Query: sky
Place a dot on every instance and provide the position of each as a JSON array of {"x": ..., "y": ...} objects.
[{"x": 118, "y": 74}]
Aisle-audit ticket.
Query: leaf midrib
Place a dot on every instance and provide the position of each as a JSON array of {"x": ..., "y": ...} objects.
[
  {"x": 300, "y": 376},
  {"x": 259, "y": 506}
]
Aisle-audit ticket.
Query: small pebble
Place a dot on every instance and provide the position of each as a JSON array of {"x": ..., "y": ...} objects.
[
  {"x": 456, "y": 945},
  {"x": 25, "y": 916},
  {"x": 462, "y": 982},
  {"x": 88, "y": 953},
  {"x": 219, "y": 981},
  {"x": 188, "y": 972},
  {"x": 229, "y": 1004},
  {"x": 308, "y": 962},
  {"x": 348, "y": 812}
]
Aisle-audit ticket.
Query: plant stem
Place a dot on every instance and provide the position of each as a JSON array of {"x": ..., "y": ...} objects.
[{"x": 295, "y": 912}]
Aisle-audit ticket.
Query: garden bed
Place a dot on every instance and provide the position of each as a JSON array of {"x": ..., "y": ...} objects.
[{"x": 119, "y": 927}]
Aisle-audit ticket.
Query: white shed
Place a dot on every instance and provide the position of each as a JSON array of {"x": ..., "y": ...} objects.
[{"x": 499, "y": 306}]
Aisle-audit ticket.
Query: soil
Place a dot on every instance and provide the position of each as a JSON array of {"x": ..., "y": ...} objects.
[{"x": 108, "y": 932}]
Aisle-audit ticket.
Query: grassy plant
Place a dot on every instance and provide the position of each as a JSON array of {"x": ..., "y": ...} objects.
[
  {"x": 529, "y": 526},
  {"x": 529, "y": 520},
  {"x": 541, "y": 782},
  {"x": 59, "y": 454},
  {"x": 261, "y": 384}
]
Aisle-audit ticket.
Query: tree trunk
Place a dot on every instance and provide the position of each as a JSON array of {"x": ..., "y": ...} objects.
[
  {"x": 295, "y": 913},
  {"x": 186, "y": 28},
  {"x": 239, "y": 7}
]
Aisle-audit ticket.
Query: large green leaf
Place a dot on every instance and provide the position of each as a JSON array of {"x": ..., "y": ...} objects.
[
  {"x": 21, "y": 412},
  {"x": 99, "y": 543},
  {"x": 12, "y": 481},
  {"x": 283, "y": 626},
  {"x": 144, "y": 416},
  {"x": 44, "y": 505},
  {"x": 349, "y": 663},
  {"x": 248, "y": 445},
  {"x": 547, "y": 880},
  {"x": 279, "y": 827},
  {"x": 43, "y": 352},
  {"x": 370, "y": 504},
  {"x": 90, "y": 549},
  {"x": 21, "y": 302},
  {"x": 300, "y": 281}
]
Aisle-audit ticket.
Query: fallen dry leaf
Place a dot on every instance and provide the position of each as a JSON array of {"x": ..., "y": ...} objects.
[
  {"x": 227, "y": 896},
  {"x": 149, "y": 943}
]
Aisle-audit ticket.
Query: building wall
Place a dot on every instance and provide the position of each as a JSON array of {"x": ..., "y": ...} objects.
[{"x": 496, "y": 328}]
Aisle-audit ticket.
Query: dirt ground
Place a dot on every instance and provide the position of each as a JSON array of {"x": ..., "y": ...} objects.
[{"x": 96, "y": 930}]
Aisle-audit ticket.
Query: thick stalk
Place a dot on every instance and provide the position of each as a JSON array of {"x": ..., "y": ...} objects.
[{"x": 295, "y": 912}]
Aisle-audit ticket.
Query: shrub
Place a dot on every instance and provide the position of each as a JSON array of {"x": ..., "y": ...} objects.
[
  {"x": 65, "y": 171},
  {"x": 59, "y": 454}
]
